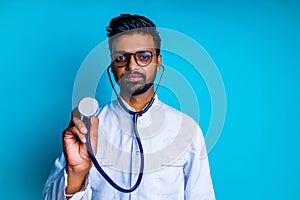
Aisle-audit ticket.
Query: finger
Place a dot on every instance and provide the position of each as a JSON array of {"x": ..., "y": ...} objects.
[
  {"x": 77, "y": 122},
  {"x": 75, "y": 113},
  {"x": 71, "y": 123},
  {"x": 73, "y": 134},
  {"x": 94, "y": 132},
  {"x": 80, "y": 125}
]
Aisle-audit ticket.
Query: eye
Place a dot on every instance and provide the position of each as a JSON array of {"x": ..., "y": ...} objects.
[
  {"x": 144, "y": 56},
  {"x": 121, "y": 58}
]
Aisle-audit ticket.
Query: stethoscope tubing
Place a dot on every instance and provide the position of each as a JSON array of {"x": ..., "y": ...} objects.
[
  {"x": 135, "y": 116},
  {"x": 103, "y": 173}
]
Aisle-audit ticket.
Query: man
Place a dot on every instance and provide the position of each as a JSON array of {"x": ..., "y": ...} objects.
[{"x": 176, "y": 165}]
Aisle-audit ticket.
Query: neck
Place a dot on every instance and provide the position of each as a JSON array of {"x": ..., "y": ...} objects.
[{"x": 138, "y": 102}]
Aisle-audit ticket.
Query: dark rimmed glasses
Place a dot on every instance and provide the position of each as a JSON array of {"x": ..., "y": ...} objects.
[{"x": 142, "y": 58}]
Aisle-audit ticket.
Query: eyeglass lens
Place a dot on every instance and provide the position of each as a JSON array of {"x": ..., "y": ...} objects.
[{"x": 142, "y": 58}]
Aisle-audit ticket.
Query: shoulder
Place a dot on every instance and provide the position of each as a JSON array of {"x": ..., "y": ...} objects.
[
  {"x": 189, "y": 136},
  {"x": 106, "y": 108},
  {"x": 178, "y": 115}
]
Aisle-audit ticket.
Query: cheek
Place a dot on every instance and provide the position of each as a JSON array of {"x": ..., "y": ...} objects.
[{"x": 151, "y": 73}]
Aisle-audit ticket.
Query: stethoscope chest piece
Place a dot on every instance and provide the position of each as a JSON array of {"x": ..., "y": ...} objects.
[{"x": 88, "y": 107}]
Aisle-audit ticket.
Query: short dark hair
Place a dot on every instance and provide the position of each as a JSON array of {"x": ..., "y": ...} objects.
[{"x": 129, "y": 24}]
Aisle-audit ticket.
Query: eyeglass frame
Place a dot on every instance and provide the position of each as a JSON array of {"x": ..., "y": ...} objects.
[{"x": 134, "y": 56}]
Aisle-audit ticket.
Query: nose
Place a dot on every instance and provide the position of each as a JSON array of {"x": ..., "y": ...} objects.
[{"x": 132, "y": 65}]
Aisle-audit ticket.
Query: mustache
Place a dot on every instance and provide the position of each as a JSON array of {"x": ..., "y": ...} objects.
[{"x": 133, "y": 72}]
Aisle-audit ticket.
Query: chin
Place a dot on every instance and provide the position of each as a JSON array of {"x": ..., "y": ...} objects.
[{"x": 142, "y": 90}]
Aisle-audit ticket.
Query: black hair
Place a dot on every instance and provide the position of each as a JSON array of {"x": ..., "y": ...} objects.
[{"x": 129, "y": 24}]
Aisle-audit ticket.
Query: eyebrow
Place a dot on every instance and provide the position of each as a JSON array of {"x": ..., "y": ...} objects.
[{"x": 120, "y": 52}]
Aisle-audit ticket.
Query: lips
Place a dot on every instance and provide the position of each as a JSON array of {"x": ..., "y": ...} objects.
[{"x": 135, "y": 76}]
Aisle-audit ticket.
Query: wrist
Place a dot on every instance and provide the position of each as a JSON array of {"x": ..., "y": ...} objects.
[
  {"x": 76, "y": 171},
  {"x": 81, "y": 169},
  {"x": 74, "y": 183},
  {"x": 75, "y": 179}
]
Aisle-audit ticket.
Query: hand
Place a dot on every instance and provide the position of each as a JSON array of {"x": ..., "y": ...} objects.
[{"x": 78, "y": 161}]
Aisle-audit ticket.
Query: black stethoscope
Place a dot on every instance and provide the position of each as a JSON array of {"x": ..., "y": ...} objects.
[{"x": 85, "y": 109}]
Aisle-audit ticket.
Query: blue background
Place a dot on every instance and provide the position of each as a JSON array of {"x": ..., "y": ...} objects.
[{"x": 255, "y": 46}]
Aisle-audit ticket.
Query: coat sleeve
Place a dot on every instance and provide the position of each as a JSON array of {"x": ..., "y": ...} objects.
[
  {"x": 198, "y": 183},
  {"x": 56, "y": 183}
]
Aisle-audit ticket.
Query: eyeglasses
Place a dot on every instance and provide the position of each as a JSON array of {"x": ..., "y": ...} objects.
[{"x": 142, "y": 58}]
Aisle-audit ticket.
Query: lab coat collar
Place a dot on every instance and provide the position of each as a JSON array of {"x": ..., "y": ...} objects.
[{"x": 131, "y": 108}]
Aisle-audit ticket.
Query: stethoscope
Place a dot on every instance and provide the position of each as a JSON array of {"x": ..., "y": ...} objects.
[{"x": 88, "y": 107}]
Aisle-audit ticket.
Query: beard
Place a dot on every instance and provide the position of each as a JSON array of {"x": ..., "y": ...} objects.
[{"x": 134, "y": 88}]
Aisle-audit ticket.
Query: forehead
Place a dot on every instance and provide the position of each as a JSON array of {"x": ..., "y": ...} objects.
[{"x": 133, "y": 42}]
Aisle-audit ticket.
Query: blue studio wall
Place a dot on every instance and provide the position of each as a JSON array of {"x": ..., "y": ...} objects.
[{"x": 254, "y": 44}]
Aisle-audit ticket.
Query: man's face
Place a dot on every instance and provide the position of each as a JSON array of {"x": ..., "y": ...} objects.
[{"x": 132, "y": 78}]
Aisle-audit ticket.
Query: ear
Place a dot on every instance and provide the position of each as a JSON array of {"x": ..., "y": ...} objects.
[{"x": 159, "y": 61}]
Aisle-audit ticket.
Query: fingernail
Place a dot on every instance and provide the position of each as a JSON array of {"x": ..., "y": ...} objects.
[
  {"x": 83, "y": 140},
  {"x": 83, "y": 130}
]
